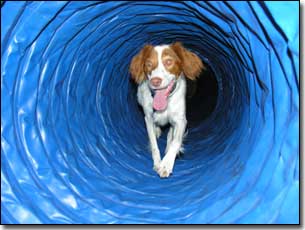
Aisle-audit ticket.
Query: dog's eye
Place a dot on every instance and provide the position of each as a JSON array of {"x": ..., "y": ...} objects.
[
  {"x": 148, "y": 64},
  {"x": 168, "y": 62}
]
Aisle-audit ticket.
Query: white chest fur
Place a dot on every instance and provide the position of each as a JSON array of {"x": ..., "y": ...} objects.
[{"x": 161, "y": 117}]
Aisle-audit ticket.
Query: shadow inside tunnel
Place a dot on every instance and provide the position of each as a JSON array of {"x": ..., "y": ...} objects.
[{"x": 201, "y": 98}]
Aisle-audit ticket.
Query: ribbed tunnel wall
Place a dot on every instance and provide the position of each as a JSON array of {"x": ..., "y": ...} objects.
[{"x": 74, "y": 147}]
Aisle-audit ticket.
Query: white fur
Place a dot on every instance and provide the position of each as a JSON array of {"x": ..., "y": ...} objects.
[{"x": 174, "y": 114}]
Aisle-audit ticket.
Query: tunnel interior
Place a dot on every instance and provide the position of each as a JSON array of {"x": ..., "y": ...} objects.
[{"x": 74, "y": 145}]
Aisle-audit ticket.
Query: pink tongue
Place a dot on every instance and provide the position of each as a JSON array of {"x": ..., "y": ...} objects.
[{"x": 160, "y": 98}]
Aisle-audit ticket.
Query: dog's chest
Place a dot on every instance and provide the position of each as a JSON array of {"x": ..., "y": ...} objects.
[{"x": 161, "y": 117}]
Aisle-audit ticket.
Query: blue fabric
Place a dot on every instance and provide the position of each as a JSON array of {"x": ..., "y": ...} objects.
[{"x": 74, "y": 147}]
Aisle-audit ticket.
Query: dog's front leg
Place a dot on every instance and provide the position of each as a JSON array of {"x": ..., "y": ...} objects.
[
  {"x": 167, "y": 164},
  {"x": 153, "y": 142},
  {"x": 169, "y": 139}
]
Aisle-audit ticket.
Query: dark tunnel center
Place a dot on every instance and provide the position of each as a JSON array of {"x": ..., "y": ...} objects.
[{"x": 201, "y": 98}]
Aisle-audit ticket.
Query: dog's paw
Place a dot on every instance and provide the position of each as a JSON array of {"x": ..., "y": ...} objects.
[
  {"x": 157, "y": 165},
  {"x": 164, "y": 173},
  {"x": 157, "y": 131},
  {"x": 166, "y": 168}
]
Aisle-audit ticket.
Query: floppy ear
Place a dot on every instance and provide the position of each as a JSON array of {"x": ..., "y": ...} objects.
[
  {"x": 191, "y": 63},
  {"x": 137, "y": 64}
]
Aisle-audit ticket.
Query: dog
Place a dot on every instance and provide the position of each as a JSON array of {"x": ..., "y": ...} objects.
[{"x": 161, "y": 72}]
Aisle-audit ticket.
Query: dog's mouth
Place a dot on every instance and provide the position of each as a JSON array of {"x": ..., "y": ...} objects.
[
  {"x": 161, "y": 95},
  {"x": 157, "y": 88}
]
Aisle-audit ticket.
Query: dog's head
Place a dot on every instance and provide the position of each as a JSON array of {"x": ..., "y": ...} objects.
[{"x": 162, "y": 64}]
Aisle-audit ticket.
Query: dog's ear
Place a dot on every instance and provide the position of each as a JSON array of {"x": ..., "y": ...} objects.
[
  {"x": 137, "y": 64},
  {"x": 191, "y": 63}
]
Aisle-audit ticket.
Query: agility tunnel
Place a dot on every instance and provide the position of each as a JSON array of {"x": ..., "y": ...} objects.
[{"x": 74, "y": 146}]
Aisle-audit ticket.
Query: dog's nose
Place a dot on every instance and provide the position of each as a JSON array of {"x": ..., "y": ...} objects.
[{"x": 156, "y": 81}]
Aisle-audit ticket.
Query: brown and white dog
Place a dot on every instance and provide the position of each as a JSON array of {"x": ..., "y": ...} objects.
[{"x": 160, "y": 73}]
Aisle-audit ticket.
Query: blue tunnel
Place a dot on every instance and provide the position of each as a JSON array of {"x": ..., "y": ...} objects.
[{"x": 74, "y": 147}]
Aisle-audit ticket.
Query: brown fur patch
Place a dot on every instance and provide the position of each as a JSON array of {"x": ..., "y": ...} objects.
[
  {"x": 190, "y": 62},
  {"x": 176, "y": 67},
  {"x": 137, "y": 64},
  {"x": 151, "y": 62}
]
